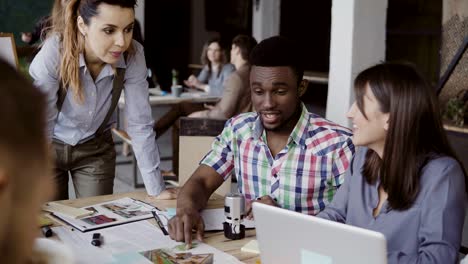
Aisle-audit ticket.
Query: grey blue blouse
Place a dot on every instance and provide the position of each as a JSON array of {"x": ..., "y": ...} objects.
[
  {"x": 215, "y": 80},
  {"x": 77, "y": 122},
  {"x": 428, "y": 232}
]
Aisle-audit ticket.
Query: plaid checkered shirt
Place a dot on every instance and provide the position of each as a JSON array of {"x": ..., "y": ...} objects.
[{"x": 302, "y": 177}]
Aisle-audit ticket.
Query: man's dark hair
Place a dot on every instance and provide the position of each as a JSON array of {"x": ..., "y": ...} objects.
[
  {"x": 245, "y": 44},
  {"x": 278, "y": 51}
]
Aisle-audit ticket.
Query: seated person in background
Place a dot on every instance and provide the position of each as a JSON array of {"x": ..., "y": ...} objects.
[
  {"x": 211, "y": 79},
  {"x": 34, "y": 36},
  {"x": 282, "y": 155},
  {"x": 235, "y": 99},
  {"x": 405, "y": 180},
  {"x": 44, "y": 25},
  {"x": 215, "y": 70},
  {"x": 25, "y": 166},
  {"x": 236, "y": 94}
]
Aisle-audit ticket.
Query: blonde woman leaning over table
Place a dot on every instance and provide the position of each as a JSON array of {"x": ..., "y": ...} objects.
[
  {"x": 215, "y": 69},
  {"x": 82, "y": 69}
]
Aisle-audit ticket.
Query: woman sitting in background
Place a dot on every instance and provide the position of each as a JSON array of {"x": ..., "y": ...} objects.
[
  {"x": 44, "y": 25},
  {"x": 215, "y": 70},
  {"x": 405, "y": 180},
  {"x": 211, "y": 79}
]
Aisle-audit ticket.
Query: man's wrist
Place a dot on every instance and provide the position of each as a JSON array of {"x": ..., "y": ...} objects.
[{"x": 186, "y": 211}]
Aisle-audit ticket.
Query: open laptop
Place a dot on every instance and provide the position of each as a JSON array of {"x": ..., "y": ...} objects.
[{"x": 289, "y": 237}]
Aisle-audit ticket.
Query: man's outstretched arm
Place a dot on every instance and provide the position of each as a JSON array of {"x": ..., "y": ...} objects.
[{"x": 191, "y": 200}]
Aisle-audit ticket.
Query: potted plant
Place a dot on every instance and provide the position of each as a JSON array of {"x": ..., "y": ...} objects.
[{"x": 456, "y": 109}]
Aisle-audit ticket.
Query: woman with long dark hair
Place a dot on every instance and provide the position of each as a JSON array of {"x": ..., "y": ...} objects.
[
  {"x": 216, "y": 69},
  {"x": 405, "y": 180},
  {"x": 82, "y": 67}
]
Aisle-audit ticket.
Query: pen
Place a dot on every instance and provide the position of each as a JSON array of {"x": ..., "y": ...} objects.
[{"x": 160, "y": 224}]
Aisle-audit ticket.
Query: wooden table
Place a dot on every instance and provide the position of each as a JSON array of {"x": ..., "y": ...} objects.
[
  {"x": 316, "y": 77},
  {"x": 453, "y": 128},
  {"x": 192, "y": 97},
  {"x": 215, "y": 239}
]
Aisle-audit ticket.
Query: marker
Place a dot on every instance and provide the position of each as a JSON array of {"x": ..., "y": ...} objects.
[
  {"x": 96, "y": 241},
  {"x": 160, "y": 224},
  {"x": 46, "y": 231}
]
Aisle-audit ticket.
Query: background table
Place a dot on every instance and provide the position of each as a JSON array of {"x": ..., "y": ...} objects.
[{"x": 192, "y": 97}]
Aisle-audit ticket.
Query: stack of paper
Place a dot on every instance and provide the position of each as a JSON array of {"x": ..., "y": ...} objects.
[
  {"x": 115, "y": 212},
  {"x": 126, "y": 244},
  {"x": 66, "y": 210}
]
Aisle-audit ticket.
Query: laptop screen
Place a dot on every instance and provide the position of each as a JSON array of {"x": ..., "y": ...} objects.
[{"x": 289, "y": 237}]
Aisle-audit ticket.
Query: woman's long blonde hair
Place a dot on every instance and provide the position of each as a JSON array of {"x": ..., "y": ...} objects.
[
  {"x": 73, "y": 41},
  {"x": 55, "y": 22}
]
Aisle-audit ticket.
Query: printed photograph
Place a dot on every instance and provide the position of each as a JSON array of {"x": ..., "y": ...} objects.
[
  {"x": 115, "y": 206},
  {"x": 127, "y": 210},
  {"x": 167, "y": 256},
  {"x": 94, "y": 210},
  {"x": 130, "y": 214},
  {"x": 98, "y": 220}
]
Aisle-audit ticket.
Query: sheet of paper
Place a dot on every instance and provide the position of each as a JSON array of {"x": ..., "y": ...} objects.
[
  {"x": 66, "y": 210},
  {"x": 130, "y": 257},
  {"x": 81, "y": 246},
  {"x": 251, "y": 247},
  {"x": 110, "y": 213},
  {"x": 128, "y": 238}
]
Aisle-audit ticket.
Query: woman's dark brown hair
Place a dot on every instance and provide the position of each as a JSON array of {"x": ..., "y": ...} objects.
[
  {"x": 415, "y": 131},
  {"x": 204, "y": 56}
]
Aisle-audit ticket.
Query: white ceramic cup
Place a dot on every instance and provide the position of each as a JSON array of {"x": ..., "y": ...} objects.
[{"x": 176, "y": 90}]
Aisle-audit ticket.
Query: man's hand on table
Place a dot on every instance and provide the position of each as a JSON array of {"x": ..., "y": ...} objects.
[
  {"x": 264, "y": 200},
  {"x": 181, "y": 225}
]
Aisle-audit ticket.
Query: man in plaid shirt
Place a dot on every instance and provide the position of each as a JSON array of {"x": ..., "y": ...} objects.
[{"x": 281, "y": 155}]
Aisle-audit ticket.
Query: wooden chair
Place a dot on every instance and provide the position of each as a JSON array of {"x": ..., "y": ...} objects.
[
  {"x": 463, "y": 250},
  {"x": 194, "y": 69},
  {"x": 195, "y": 138},
  {"x": 8, "y": 49}
]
